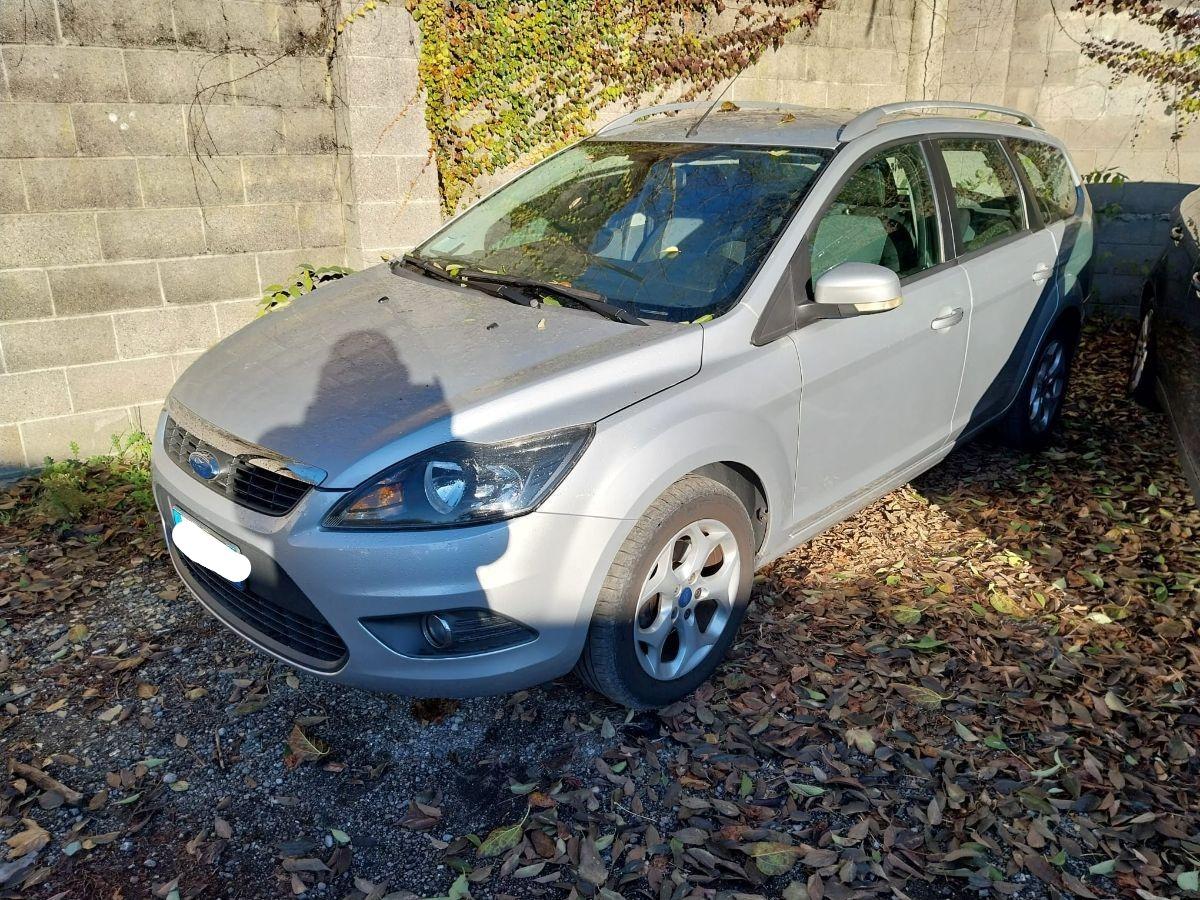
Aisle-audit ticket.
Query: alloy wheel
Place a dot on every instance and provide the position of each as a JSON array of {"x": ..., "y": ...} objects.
[
  {"x": 1141, "y": 350},
  {"x": 686, "y": 601},
  {"x": 1049, "y": 383}
]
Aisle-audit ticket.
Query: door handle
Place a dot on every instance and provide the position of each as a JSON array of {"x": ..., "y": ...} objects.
[
  {"x": 1177, "y": 235},
  {"x": 947, "y": 319},
  {"x": 1041, "y": 273}
]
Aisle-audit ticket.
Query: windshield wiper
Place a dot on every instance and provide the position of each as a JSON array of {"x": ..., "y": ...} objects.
[
  {"x": 477, "y": 278},
  {"x": 587, "y": 299}
]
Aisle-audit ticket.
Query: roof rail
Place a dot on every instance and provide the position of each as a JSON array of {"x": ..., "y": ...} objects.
[
  {"x": 869, "y": 120},
  {"x": 662, "y": 108}
]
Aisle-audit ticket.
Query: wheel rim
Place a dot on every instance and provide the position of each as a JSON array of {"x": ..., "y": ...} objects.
[
  {"x": 1141, "y": 350},
  {"x": 686, "y": 601},
  {"x": 1049, "y": 382}
]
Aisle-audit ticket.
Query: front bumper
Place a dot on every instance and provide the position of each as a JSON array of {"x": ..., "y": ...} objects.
[{"x": 543, "y": 570}]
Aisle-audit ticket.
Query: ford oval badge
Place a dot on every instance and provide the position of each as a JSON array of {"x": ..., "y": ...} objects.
[{"x": 204, "y": 464}]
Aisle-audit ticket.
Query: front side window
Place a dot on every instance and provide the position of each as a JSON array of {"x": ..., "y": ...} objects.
[
  {"x": 988, "y": 205},
  {"x": 668, "y": 231},
  {"x": 884, "y": 214},
  {"x": 1050, "y": 177}
]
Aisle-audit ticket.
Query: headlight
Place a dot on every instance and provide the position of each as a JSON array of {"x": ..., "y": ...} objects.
[{"x": 463, "y": 484}]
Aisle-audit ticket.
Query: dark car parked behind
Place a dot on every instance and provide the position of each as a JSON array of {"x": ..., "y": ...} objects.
[{"x": 1166, "y": 358}]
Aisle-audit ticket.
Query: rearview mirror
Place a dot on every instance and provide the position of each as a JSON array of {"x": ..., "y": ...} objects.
[{"x": 858, "y": 288}]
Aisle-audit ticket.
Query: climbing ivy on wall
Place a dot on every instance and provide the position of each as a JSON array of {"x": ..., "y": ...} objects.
[
  {"x": 1169, "y": 59},
  {"x": 505, "y": 80}
]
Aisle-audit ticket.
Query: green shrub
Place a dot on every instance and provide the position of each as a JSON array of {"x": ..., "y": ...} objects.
[
  {"x": 306, "y": 280},
  {"x": 69, "y": 491}
]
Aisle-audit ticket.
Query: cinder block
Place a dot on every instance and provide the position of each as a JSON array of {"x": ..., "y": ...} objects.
[
  {"x": 12, "y": 451},
  {"x": 57, "y": 342},
  {"x": 384, "y": 130},
  {"x": 121, "y": 129},
  {"x": 381, "y": 81},
  {"x": 228, "y": 130},
  {"x": 91, "y": 433},
  {"x": 178, "y": 76},
  {"x": 48, "y": 239},
  {"x": 271, "y": 179},
  {"x": 27, "y": 22},
  {"x": 103, "y": 23},
  {"x": 24, "y": 294},
  {"x": 206, "y": 279},
  {"x": 31, "y": 394},
  {"x": 92, "y": 289},
  {"x": 36, "y": 129},
  {"x": 187, "y": 181},
  {"x": 394, "y": 226},
  {"x": 320, "y": 224},
  {"x": 162, "y": 331},
  {"x": 235, "y": 229},
  {"x": 280, "y": 265},
  {"x": 375, "y": 178},
  {"x": 12, "y": 188},
  {"x": 301, "y": 29},
  {"x": 388, "y": 31},
  {"x": 180, "y": 361},
  {"x": 81, "y": 183},
  {"x": 274, "y": 80},
  {"x": 106, "y": 385},
  {"x": 232, "y": 316},
  {"x": 232, "y": 25},
  {"x": 145, "y": 416},
  {"x": 309, "y": 130},
  {"x": 150, "y": 233},
  {"x": 65, "y": 73}
]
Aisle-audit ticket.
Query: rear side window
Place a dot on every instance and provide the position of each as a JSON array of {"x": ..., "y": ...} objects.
[
  {"x": 988, "y": 205},
  {"x": 884, "y": 214},
  {"x": 1050, "y": 177}
]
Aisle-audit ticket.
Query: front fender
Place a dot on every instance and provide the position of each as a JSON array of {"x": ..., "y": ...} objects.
[{"x": 639, "y": 452}]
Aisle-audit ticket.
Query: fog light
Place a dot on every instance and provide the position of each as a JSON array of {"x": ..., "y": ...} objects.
[{"x": 437, "y": 631}]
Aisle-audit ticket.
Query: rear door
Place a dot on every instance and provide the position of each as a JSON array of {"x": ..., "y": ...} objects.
[{"x": 1009, "y": 260}]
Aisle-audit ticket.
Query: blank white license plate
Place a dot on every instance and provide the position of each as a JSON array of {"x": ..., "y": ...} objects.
[{"x": 204, "y": 548}]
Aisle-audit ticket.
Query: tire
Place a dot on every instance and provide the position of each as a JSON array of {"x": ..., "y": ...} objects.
[
  {"x": 1030, "y": 421},
  {"x": 1143, "y": 367},
  {"x": 700, "y": 627}
]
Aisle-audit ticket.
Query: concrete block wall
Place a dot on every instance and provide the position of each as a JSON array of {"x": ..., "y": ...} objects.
[
  {"x": 1020, "y": 53},
  {"x": 161, "y": 162}
]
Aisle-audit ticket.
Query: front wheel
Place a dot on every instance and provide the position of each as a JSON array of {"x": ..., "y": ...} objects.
[
  {"x": 674, "y": 597},
  {"x": 1030, "y": 422}
]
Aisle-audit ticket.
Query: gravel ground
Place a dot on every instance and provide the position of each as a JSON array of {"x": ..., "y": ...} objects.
[{"x": 889, "y": 724}]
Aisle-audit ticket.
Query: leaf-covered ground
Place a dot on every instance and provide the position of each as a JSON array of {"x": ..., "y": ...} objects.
[{"x": 984, "y": 682}]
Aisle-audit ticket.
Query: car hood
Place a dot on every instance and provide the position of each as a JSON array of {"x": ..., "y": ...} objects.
[{"x": 379, "y": 365}]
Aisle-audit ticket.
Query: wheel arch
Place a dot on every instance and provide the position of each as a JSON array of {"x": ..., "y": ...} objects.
[{"x": 748, "y": 487}]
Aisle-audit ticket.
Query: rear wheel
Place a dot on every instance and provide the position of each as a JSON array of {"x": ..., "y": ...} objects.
[
  {"x": 1030, "y": 422},
  {"x": 674, "y": 597},
  {"x": 1143, "y": 369}
]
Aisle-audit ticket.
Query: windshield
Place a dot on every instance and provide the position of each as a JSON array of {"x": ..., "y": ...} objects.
[{"x": 667, "y": 231}]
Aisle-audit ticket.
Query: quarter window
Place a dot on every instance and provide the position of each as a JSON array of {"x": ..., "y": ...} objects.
[
  {"x": 988, "y": 205},
  {"x": 1050, "y": 177},
  {"x": 885, "y": 215}
]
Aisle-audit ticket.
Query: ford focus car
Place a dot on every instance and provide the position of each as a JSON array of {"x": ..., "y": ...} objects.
[{"x": 564, "y": 431}]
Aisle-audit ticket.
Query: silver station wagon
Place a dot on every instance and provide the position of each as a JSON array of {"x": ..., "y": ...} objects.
[{"x": 565, "y": 430}]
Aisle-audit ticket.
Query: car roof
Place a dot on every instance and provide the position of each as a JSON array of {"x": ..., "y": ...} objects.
[{"x": 785, "y": 125}]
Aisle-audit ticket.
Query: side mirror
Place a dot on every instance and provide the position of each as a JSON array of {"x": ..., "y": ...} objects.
[{"x": 858, "y": 289}]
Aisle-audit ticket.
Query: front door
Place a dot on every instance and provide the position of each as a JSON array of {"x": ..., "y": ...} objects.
[
  {"x": 879, "y": 390},
  {"x": 1010, "y": 267}
]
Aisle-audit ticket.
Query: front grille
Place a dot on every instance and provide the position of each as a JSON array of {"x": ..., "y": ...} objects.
[
  {"x": 242, "y": 478},
  {"x": 309, "y": 636}
]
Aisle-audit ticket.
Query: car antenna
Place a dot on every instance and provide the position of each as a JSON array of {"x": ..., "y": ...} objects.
[{"x": 712, "y": 106}]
